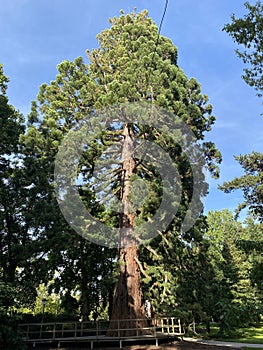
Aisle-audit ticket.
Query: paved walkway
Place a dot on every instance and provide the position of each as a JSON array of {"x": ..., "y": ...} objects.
[{"x": 223, "y": 343}]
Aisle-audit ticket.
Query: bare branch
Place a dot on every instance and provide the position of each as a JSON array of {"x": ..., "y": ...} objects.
[{"x": 141, "y": 268}]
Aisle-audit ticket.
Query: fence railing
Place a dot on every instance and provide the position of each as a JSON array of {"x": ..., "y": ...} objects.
[{"x": 97, "y": 330}]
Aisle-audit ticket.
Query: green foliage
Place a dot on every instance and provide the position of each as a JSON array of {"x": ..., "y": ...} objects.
[
  {"x": 179, "y": 282},
  {"x": 53, "y": 301},
  {"x": 252, "y": 334},
  {"x": 212, "y": 271},
  {"x": 6, "y": 297},
  {"x": 3, "y": 81},
  {"x": 237, "y": 299},
  {"x": 247, "y": 31},
  {"x": 125, "y": 68},
  {"x": 251, "y": 184},
  {"x": 9, "y": 336},
  {"x": 15, "y": 246},
  {"x": 85, "y": 272}
]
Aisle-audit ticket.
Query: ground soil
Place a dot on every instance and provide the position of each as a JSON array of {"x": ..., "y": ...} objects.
[{"x": 175, "y": 345}]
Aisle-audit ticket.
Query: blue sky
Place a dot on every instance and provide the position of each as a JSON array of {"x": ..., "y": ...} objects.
[{"x": 36, "y": 35}]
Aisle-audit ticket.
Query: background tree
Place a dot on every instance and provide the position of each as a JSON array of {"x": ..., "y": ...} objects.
[
  {"x": 85, "y": 270},
  {"x": 252, "y": 245},
  {"x": 236, "y": 298},
  {"x": 247, "y": 31},
  {"x": 251, "y": 184},
  {"x": 82, "y": 266},
  {"x": 13, "y": 233}
]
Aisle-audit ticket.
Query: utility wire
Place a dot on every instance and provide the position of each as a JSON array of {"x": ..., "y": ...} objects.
[
  {"x": 158, "y": 38},
  {"x": 164, "y": 13}
]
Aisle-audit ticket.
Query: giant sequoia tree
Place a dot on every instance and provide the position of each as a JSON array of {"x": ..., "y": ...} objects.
[{"x": 127, "y": 67}]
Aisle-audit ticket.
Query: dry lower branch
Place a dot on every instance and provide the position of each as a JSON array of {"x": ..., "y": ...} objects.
[{"x": 141, "y": 268}]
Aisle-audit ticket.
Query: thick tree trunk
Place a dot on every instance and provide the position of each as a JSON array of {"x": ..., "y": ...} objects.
[{"x": 128, "y": 299}]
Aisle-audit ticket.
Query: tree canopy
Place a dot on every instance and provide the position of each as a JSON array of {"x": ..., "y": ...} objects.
[
  {"x": 247, "y": 32},
  {"x": 211, "y": 270},
  {"x": 251, "y": 184},
  {"x": 237, "y": 296},
  {"x": 127, "y": 67}
]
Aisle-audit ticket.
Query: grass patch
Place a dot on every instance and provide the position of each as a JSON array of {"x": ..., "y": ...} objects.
[{"x": 252, "y": 335}]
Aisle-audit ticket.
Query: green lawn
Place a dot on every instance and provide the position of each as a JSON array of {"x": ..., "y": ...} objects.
[{"x": 253, "y": 335}]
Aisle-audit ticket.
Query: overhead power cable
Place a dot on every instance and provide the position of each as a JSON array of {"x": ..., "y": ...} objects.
[
  {"x": 164, "y": 13},
  {"x": 158, "y": 38}
]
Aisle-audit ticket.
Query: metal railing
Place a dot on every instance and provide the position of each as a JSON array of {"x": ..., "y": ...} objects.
[{"x": 91, "y": 331}]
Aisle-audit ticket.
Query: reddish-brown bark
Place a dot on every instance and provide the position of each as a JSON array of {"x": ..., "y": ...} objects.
[{"x": 128, "y": 299}]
